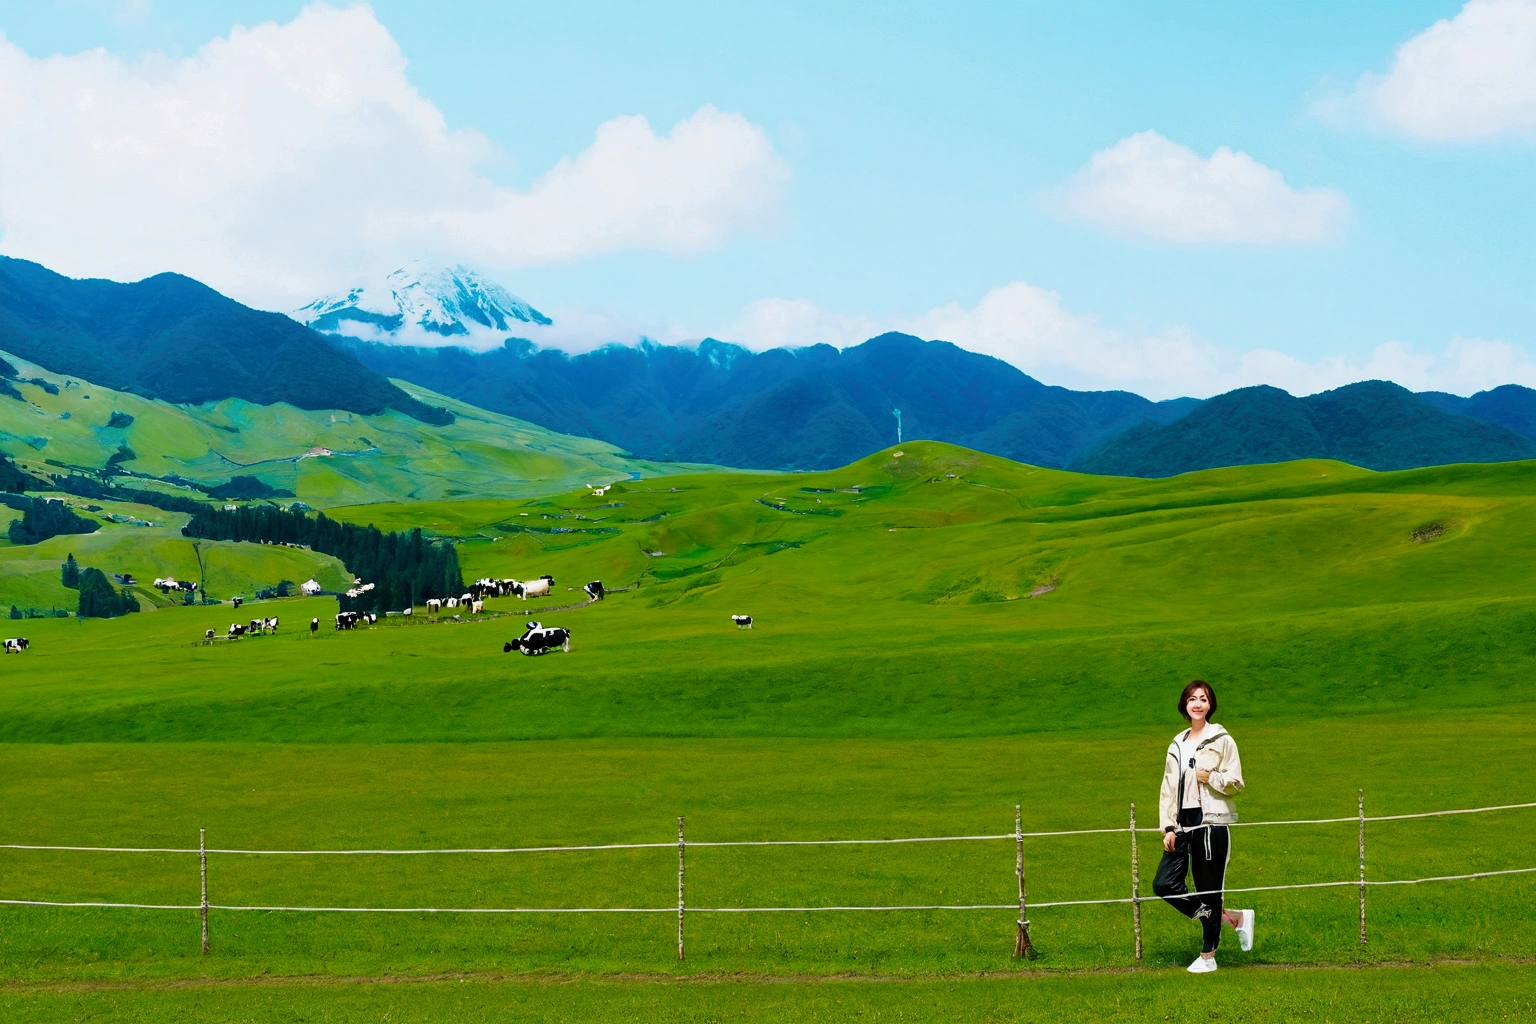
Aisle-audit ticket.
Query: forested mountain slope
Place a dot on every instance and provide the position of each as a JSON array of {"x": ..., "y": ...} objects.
[
  {"x": 1374, "y": 424},
  {"x": 171, "y": 337},
  {"x": 807, "y": 408}
]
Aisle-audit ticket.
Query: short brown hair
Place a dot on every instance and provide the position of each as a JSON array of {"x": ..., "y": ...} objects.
[{"x": 1189, "y": 691}]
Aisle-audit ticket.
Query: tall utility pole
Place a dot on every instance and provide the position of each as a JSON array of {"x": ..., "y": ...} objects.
[
  {"x": 897, "y": 414},
  {"x": 202, "y": 572}
]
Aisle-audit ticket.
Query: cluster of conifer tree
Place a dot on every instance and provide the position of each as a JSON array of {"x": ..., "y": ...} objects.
[
  {"x": 98, "y": 598},
  {"x": 405, "y": 568},
  {"x": 42, "y": 518}
]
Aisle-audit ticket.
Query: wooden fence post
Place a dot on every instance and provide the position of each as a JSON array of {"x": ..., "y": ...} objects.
[
  {"x": 1362, "y": 867},
  {"x": 1022, "y": 947},
  {"x": 202, "y": 856},
  {"x": 1135, "y": 883},
  {"x": 680, "y": 847}
]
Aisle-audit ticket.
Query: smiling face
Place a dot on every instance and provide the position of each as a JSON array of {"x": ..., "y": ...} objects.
[{"x": 1197, "y": 706}]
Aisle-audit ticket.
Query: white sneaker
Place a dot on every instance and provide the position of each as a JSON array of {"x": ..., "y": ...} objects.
[
  {"x": 1245, "y": 931},
  {"x": 1203, "y": 965}
]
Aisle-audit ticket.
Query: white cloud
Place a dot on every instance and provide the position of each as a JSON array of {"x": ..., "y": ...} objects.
[
  {"x": 1030, "y": 328},
  {"x": 797, "y": 323},
  {"x": 1464, "y": 78},
  {"x": 1147, "y": 186},
  {"x": 275, "y": 162}
]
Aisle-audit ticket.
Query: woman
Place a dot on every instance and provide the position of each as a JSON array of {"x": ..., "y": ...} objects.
[{"x": 1200, "y": 776}]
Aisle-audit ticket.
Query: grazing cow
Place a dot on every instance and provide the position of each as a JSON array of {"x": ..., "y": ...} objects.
[
  {"x": 236, "y": 630},
  {"x": 476, "y": 607},
  {"x": 533, "y": 588},
  {"x": 238, "y": 601},
  {"x": 346, "y": 620},
  {"x": 269, "y": 625},
  {"x": 594, "y": 590},
  {"x": 452, "y": 602},
  {"x": 537, "y": 639},
  {"x": 434, "y": 606},
  {"x": 314, "y": 626},
  {"x": 208, "y": 635},
  {"x": 373, "y": 618},
  {"x": 465, "y": 598},
  {"x": 16, "y": 645},
  {"x": 742, "y": 621}
]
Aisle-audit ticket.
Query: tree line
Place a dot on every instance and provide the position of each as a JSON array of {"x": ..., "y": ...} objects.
[
  {"x": 42, "y": 518},
  {"x": 405, "y": 568},
  {"x": 98, "y": 598}
]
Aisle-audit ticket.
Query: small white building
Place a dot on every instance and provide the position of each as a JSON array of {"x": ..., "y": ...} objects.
[{"x": 310, "y": 588}]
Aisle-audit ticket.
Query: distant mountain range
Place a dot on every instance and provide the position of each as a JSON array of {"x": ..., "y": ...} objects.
[
  {"x": 425, "y": 303},
  {"x": 816, "y": 407},
  {"x": 171, "y": 337},
  {"x": 1373, "y": 424},
  {"x": 808, "y": 408}
]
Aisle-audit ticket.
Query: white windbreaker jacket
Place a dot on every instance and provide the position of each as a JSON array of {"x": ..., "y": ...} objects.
[{"x": 1217, "y": 752}]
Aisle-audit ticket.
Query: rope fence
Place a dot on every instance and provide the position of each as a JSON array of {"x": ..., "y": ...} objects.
[{"x": 1023, "y": 947}]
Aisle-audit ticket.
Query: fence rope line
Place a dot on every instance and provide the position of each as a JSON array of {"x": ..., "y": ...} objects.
[
  {"x": 766, "y": 910},
  {"x": 740, "y": 842},
  {"x": 128, "y": 906}
]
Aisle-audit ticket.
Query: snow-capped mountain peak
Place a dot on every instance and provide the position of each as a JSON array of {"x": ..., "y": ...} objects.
[{"x": 425, "y": 304}]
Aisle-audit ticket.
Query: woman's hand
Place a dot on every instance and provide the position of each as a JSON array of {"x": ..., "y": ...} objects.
[
  {"x": 1203, "y": 775},
  {"x": 1168, "y": 840}
]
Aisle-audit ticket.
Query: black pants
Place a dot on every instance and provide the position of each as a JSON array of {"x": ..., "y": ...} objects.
[{"x": 1202, "y": 852}]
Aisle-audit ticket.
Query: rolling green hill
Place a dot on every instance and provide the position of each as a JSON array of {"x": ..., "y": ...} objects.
[
  {"x": 913, "y": 593},
  {"x": 388, "y": 456}
]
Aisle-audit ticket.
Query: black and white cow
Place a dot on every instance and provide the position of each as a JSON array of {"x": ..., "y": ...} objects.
[
  {"x": 594, "y": 590},
  {"x": 238, "y": 601},
  {"x": 538, "y": 638},
  {"x": 314, "y": 626},
  {"x": 742, "y": 621},
  {"x": 235, "y": 629},
  {"x": 16, "y": 645},
  {"x": 346, "y": 620},
  {"x": 208, "y": 635}
]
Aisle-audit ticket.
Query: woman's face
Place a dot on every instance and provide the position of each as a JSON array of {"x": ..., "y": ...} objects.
[{"x": 1198, "y": 705}]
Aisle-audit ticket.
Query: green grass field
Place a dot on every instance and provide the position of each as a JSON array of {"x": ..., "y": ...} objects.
[
  {"x": 376, "y": 458},
  {"x": 1364, "y": 631},
  {"x": 30, "y": 573}
]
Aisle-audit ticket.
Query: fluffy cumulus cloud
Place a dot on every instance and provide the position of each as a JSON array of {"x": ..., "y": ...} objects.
[
  {"x": 1147, "y": 186},
  {"x": 277, "y": 160},
  {"x": 1031, "y": 328},
  {"x": 1464, "y": 78}
]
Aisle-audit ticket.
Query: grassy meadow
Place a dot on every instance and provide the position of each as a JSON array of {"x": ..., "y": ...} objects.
[
  {"x": 1364, "y": 631},
  {"x": 30, "y": 573},
  {"x": 375, "y": 458}
]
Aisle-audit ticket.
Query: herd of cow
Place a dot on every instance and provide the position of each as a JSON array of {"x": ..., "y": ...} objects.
[
  {"x": 536, "y": 639},
  {"x": 255, "y": 627}
]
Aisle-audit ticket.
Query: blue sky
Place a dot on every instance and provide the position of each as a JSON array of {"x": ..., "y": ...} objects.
[{"x": 925, "y": 167}]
